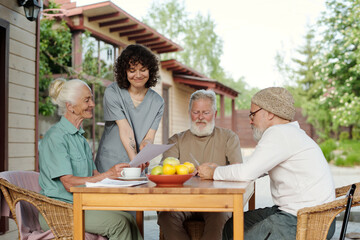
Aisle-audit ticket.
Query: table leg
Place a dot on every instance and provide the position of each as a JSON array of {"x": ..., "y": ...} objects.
[
  {"x": 79, "y": 229},
  {"x": 238, "y": 217},
  {"x": 252, "y": 200},
  {"x": 140, "y": 221}
]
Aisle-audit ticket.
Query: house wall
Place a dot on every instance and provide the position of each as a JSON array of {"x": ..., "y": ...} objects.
[
  {"x": 21, "y": 102},
  {"x": 179, "y": 95}
]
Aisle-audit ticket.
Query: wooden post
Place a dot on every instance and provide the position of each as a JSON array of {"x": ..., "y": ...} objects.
[
  {"x": 233, "y": 116},
  {"x": 222, "y": 108}
]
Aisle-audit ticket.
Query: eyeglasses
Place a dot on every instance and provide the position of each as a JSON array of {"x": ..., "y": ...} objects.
[{"x": 252, "y": 114}]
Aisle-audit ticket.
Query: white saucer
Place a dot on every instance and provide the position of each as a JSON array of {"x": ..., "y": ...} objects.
[{"x": 132, "y": 178}]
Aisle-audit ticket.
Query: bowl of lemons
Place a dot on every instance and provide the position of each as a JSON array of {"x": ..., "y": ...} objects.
[{"x": 171, "y": 173}]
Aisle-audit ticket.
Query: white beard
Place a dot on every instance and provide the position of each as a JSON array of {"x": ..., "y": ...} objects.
[
  {"x": 206, "y": 131},
  {"x": 257, "y": 133}
]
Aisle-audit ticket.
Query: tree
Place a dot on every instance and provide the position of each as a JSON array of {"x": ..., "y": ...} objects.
[
  {"x": 301, "y": 71},
  {"x": 339, "y": 66},
  {"x": 329, "y": 77},
  {"x": 202, "y": 46},
  {"x": 305, "y": 70}
]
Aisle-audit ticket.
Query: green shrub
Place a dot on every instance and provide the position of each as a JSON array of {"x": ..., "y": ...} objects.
[
  {"x": 344, "y": 136},
  {"x": 340, "y": 162},
  {"x": 352, "y": 159},
  {"x": 356, "y": 133},
  {"x": 327, "y": 147}
]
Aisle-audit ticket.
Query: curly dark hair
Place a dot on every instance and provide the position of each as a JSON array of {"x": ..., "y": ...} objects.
[{"x": 132, "y": 55}]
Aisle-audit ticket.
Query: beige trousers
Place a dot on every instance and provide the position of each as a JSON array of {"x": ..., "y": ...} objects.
[{"x": 171, "y": 224}]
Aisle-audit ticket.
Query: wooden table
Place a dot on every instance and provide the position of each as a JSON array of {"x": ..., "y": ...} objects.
[{"x": 195, "y": 195}]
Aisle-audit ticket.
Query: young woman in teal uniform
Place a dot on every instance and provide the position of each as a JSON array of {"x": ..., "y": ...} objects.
[{"x": 132, "y": 110}]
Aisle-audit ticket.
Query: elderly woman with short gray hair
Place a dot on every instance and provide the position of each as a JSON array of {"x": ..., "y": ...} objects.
[{"x": 65, "y": 160}]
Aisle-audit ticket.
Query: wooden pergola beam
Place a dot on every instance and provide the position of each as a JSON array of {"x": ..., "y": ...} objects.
[{"x": 118, "y": 21}]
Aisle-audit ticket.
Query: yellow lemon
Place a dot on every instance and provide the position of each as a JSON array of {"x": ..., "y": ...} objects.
[
  {"x": 172, "y": 161},
  {"x": 190, "y": 166},
  {"x": 182, "y": 169},
  {"x": 158, "y": 170},
  {"x": 169, "y": 169}
]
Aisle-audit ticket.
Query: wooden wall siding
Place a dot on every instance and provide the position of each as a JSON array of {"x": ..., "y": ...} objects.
[
  {"x": 21, "y": 121},
  {"x": 22, "y": 35},
  {"x": 21, "y": 92},
  {"x": 21, "y": 164},
  {"x": 19, "y": 135},
  {"x": 22, "y": 55},
  {"x": 23, "y": 50},
  {"x": 21, "y": 107},
  {"x": 179, "y": 104},
  {"x": 22, "y": 78},
  {"x": 21, "y": 64}
]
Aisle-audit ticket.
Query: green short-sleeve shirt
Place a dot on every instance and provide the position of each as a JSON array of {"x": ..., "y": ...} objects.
[{"x": 63, "y": 151}]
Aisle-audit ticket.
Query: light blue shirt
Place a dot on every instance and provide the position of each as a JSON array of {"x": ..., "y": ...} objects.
[
  {"x": 119, "y": 105},
  {"x": 63, "y": 151}
]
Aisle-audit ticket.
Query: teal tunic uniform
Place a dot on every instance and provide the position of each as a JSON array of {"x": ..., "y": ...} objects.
[
  {"x": 119, "y": 105},
  {"x": 63, "y": 151}
]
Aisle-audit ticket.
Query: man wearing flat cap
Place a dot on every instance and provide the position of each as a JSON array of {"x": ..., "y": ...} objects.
[{"x": 299, "y": 174}]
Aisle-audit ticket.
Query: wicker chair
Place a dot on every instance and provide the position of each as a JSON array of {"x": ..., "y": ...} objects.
[
  {"x": 313, "y": 222},
  {"x": 58, "y": 214}
]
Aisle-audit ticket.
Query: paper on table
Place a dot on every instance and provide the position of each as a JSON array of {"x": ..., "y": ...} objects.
[
  {"x": 107, "y": 182},
  {"x": 149, "y": 152}
]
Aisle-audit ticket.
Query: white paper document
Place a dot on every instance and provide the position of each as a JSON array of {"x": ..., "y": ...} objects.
[
  {"x": 107, "y": 182},
  {"x": 149, "y": 152}
]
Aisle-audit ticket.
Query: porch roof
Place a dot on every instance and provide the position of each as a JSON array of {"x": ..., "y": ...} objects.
[
  {"x": 109, "y": 18},
  {"x": 188, "y": 76}
]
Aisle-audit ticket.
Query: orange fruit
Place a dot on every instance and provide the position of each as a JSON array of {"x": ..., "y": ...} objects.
[
  {"x": 182, "y": 169},
  {"x": 190, "y": 166},
  {"x": 169, "y": 169}
]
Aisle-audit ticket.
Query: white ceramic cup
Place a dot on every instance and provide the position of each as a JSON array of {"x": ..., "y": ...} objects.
[{"x": 132, "y": 172}]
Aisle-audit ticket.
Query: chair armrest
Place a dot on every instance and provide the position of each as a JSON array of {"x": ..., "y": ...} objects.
[
  {"x": 314, "y": 222},
  {"x": 58, "y": 214},
  {"x": 341, "y": 191}
]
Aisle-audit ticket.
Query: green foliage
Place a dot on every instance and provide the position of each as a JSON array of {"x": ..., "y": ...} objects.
[
  {"x": 353, "y": 159},
  {"x": 55, "y": 57},
  {"x": 328, "y": 74},
  {"x": 344, "y": 136},
  {"x": 356, "y": 134},
  {"x": 340, "y": 161},
  {"x": 327, "y": 147},
  {"x": 338, "y": 69},
  {"x": 348, "y": 161},
  {"x": 46, "y": 108},
  {"x": 91, "y": 65},
  {"x": 202, "y": 46},
  {"x": 347, "y": 153}
]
